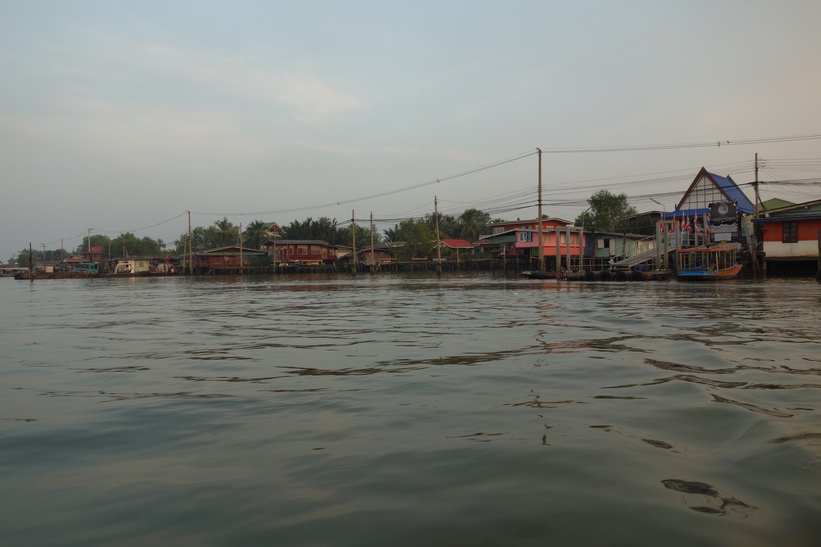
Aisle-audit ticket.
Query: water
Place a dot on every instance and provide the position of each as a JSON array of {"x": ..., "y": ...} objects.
[{"x": 409, "y": 410}]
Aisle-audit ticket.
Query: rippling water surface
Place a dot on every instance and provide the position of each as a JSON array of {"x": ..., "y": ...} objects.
[{"x": 409, "y": 410}]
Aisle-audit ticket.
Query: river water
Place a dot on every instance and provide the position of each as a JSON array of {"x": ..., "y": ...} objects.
[{"x": 476, "y": 409}]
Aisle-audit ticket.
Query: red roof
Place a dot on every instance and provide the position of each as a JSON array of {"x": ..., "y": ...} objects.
[{"x": 457, "y": 243}]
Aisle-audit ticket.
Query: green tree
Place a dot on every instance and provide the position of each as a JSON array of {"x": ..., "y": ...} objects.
[
  {"x": 128, "y": 244},
  {"x": 473, "y": 223},
  {"x": 417, "y": 236},
  {"x": 227, "y": 233},
  {"x": 323, "y": 229},
  {"x": 97, "y": 240},
  {"x": 607, "y": 212},
  {"x": 255, "y": 234},
  {"x": 363, "y": 236}
]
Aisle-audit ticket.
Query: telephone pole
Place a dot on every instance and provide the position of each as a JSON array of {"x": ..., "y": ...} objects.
[
  {"x": 541, "y": 234},
  {"x": 438, "y": 241},
  {"x": 353, "y": 240}
]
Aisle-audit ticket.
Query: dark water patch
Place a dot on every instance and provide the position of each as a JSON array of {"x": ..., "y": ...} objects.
[
  {"x": 798, "y": 437},
  {"x": 693, "y": 369},
  {"x": 751, "y": 407},
  {"x": 233, "y": 379},
  {"x": 658, "y": 444},
  {"x": 129, "y": 368}
]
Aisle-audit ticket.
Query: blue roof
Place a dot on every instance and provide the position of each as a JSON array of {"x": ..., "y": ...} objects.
[
  {"x": 723, "y": 184},
  {"x": 743, "y": 203}
]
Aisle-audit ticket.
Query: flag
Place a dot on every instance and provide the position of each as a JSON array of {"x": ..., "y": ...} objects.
[
  {"x": 707, "y": 223},
  {"x": 695, "y": 224},
  {"x": 685, "y": 223}
]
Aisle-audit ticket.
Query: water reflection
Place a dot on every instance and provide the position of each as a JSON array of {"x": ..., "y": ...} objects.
[{"x": 314, "y": 410}]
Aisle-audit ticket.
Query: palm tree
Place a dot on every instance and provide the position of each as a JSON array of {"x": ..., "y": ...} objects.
[
  {"x": 227, "y": 231},
  {"x": 255, "y": 234}
]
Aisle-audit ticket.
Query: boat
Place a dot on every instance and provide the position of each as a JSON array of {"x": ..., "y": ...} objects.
[
  {"x": 710, "y": 262},
  {"x": 83, "y": 270}
]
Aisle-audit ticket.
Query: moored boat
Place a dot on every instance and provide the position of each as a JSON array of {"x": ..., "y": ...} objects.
[
  {"x": 82, "y": 271},
  {"x": 710, "y": 263}
]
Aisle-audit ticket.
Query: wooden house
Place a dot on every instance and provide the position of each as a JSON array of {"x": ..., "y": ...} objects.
[
  {"x": 455, "y": 247},
  {"x": 791, "y": 235},
  {"x": 379, "y": 254},
  {"x": 301, "y": 252},
  {"x": 231, "y": 259}
]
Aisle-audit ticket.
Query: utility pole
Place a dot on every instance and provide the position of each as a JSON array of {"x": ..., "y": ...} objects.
[
  {"x": 61, "y": 250},
  {"x": 190, "y": 246},
  {"x": 89, "y": 243},
  {"x": 240, "y": 248},
  {"x": 755, "y": 187},
  {"x": 438, "y": 241},
  {"x": 541, "y": 234},
  {"x": 353, "y": 240},
  {"x": 373, "y": 260}
]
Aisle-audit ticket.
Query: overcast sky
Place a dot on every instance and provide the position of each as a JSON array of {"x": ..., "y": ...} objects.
[{"x": 120, "y": 116}]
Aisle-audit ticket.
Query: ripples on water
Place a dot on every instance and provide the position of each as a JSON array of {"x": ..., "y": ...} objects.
[{"x": 466, "y": 410}]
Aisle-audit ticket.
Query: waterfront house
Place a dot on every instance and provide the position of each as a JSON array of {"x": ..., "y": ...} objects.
[
  {"x": 378, "y": 254},
  {"x": 303, "y": 252},
  {"x": 231, "y": 259},
  {"x": 519, "y": 240},
  {"x": 706, "y": 190},
  {"x": 455, "y": 246},
  {"x": 790, "y": 236},
  {"x": 604, "y": 249}
]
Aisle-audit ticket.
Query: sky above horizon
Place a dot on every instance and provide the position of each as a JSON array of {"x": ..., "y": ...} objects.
[{"x": 121, "y": 116}]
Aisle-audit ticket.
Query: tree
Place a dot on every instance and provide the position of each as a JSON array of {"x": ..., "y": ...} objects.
[
  {"x": 607, "y": 212},
  {"x": 473, "y": 222},
  {"x": 323, "y": 229},
  {"x": 417, "y": 235},
  {"x": 128, "y": 244},
  {"x": 255, "y": 234},
  {"x": 363, "y": 236},
  {"x": 97, "y": 240},
  {"x": 227, "y": 233}
]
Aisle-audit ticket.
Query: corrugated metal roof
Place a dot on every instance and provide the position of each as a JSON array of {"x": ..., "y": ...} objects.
[
  {"x": 743, "y": 203},
  {"x": 457, "y": 243}
]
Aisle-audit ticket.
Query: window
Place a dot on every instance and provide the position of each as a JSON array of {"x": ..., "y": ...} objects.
[
  {"x": 525, "y": 236},
  {"x": 302, "y": 250},
  {"x": 789, "y": 232}
]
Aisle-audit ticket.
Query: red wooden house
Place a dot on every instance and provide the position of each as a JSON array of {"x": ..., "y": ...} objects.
[{"x": 301, "y": 251}]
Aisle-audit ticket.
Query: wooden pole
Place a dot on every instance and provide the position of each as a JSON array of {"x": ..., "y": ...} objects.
[
  {"x": 190, "y": 246},
  {"x": 353, "y": 240},
  {"x": 438, "y": 241},
  {"x": 541, "y": 235},
  {"x": 373, "y": 258}
]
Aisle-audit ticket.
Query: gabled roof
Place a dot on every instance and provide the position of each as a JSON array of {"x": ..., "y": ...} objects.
[
  {"x": 231, "y": 249},
  {"x": 774, "y": 203},
  {"x": 725, "y": 185},
  {"x": 797, "y": 211},
  {"x": 456, "y": 243}
]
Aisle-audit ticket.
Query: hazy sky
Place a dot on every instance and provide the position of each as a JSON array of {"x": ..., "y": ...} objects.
[{"x": 119, "y": 116}]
